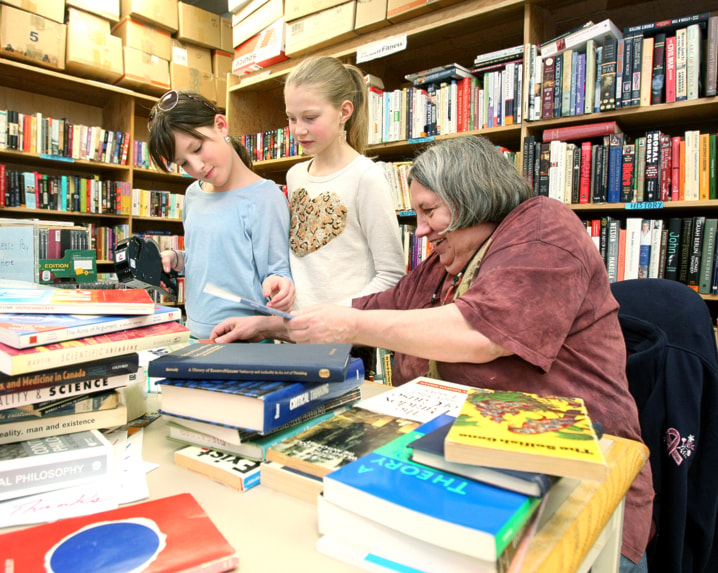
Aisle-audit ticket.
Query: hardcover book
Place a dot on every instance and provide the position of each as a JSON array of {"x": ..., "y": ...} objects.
[
  {"x": 38, "y": 465},
  {"x": 170, "y": 534},
  {"x": 76, "y": 301},
  {"x": 600, "y": 32},
  {"x": 261, "y": 406},
  {"x": 429, "y": 451},
  {"x": 431, "y": 505},
  {"x": 283, "y": 362},
  {"x": 230, "y": 469},
  {"x": 523, "y": 431},
  {"x": 26, "y": 330},
  {"x": 21, "y": 361},
  {"x": 581, "y": 131}
]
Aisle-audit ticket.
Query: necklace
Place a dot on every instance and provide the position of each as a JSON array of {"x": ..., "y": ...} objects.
[{"x": 475, "y": 258}]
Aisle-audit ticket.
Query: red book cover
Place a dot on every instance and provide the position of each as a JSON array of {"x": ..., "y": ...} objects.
[
  {"x": 464, "y": 99},
  {"x": 621, "y": 254},
  {"x": 665, "y": 170},
  {"x": 585, "y": 183},
  {"x": 170, "y": 534},
  {"x": 670, "y": 69},
  {"x": 675, "y": 168},
  {"x": 3, "y": 184},
  {"x": 582, "y": 131}
]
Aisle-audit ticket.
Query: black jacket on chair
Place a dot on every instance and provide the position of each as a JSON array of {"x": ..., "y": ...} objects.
[{"x": 672, "y": 371}]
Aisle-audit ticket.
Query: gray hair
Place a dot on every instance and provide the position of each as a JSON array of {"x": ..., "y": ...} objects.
[{"x": 473, "y": 178}]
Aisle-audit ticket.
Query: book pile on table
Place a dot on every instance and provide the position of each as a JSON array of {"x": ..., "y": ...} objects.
[
  {"x": 69, "y": 368},
  {"x": 228, "y": 403}
]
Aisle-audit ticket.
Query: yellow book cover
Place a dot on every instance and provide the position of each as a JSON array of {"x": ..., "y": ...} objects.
[{"x": 527, "y": 432}]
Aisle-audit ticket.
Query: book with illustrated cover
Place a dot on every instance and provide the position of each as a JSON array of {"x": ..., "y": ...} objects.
[
  {"x": 230, "y": 469},
  {"x": 260, "y": 406},
  {"x": 167, "y": 535},
  {"x": 93, "y": 402},
  {"x": 368, "y": 425},
  {"x": 523, "y": 431},
  {"x": 67, "y": 374},
  {"x": 26, "y": 330},
  {"x": 437, "y": 507},
  {"x": 283, "y": 362},
  {"x": 43, "y": 464},
  {"x": 76, "y": 301},
  {"x": 21, "y": 361}
]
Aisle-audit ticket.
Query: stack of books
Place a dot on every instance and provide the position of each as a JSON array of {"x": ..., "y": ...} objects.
[
  {"x": 228, "y": 403},
  {"x": 69, "y": 368}
]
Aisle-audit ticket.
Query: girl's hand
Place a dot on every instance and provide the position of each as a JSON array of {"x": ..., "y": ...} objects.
[
  {"x": 280, "y": 291},
  {"x": 169, "y": 258}
]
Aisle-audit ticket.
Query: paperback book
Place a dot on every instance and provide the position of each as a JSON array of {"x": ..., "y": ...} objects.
[
  {"x": 229, "y": 469},
  {"x": 75, "y": 301},
  {"x": 94, "y": 402},
  {"x": 523, "y": 431},
  {"x": 257, "y": 406},
  {"x": 280, "y": 362},
  {"x": 171, "y": 534},
  {"x": 26, "y": 330},
  {"x": 43, "y": 464},
  {"x": 433, "y": 506},
  {"x": 21, "y": 361},
  {"x": 292, "y": 482}
]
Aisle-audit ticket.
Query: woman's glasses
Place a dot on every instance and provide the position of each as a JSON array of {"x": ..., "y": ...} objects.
[{"x": 170, "y": 100}]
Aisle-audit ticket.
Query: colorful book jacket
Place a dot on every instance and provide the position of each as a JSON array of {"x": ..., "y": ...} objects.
[
  {"x": 73, "y": 373},
  {"x": 261, "y": 406},
  {"x": 527, "y": 432},
  {"x": 230, "y": 469},
  {"x": 21, "y": 361},
  {"x": 170, "y": 534},
  {"x": 26, "y": 330},
  {"x": 283, "y": 362},
  {"x": 429, "y": 451},
  {"x": 435, "y": 506},
  {"x": 38, "y": 465},
  {"x": 76, "y": 301}
]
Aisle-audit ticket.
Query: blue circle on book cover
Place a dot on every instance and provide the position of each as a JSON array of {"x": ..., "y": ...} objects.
[{"x": 122, "y": 546}]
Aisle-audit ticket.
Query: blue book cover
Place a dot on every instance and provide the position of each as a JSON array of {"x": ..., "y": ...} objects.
[
  {"x": 261, "y": 406},
  {"x": 429, "y": 450},
  {"x": 432, "y": 505},
  {"x": 615, "y": 169},
  {"x": 281, "y": 362}
]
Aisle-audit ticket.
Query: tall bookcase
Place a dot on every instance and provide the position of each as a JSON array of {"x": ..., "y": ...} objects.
[{"x": 457, "y": 33}]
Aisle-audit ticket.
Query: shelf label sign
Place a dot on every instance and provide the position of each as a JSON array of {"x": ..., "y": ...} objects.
[
  {"x": 382, "y": 48},
  {"x": 644, "y": 205}
]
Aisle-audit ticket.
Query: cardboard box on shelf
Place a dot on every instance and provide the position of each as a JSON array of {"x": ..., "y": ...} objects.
[
  {"x": 51, "y": 9},
  {"x": 192, "y": 56},
  {"x": 245, "y": 9},
  {"x": 92, "y": 52},
  {"x": 294, "y": 9},
  {"x": 257, "y": 21},
  {"x": 32, "y": 38},
  {"x": 198, "y": 26},
  {"x": 221, "y": 86},
  {"x": 225, "y": 34},
  {"x": 162, "y": 14},
  {"x": 189, "y": 79},
  {"x": 236, "y": 5},
  {"x": 260, "y": 51},
  {"x": 145, "y": 37},
  {"x": 399, "y": 10},
  {"x": 371, "y": 15},
  {"x": 145, "y": 72},
  {"x": 221, "y": 63},
  {"x": 109, "y": 9},
  {"x": 321, "y": 29}
]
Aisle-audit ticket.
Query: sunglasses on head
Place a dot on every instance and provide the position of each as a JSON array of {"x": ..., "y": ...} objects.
[{"x": 170, "y": 100}]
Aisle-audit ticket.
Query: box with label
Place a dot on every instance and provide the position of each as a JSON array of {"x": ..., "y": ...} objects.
[
  {"x": 145, "y": 72},
  {"x": 221, "y": 87},
  {"x": 221, "y": 63},
  {"x": 254, "y": 23},
  {"x": 109, "y": 9},
  {"x": 225, "y": 34},
  {"x": 146, "y": 37},
  {"x": 76, "y": 265},
  {"x": 260, "y": 51},
  {"x": 399, "y": 10},
  {"x": 371, "y": 15},
  {"x": 52, "y": 9},
  {"x": 192, "y": 56},
  {"x": 92, "y": 52},
  {"x": 29, "y": 37},
  {"x": 184, "y": 78},
  {"x": 294, "y": 9},
  {"x": 321, "y": 29},
  {"x": 198, "y": 26},
  {"x": 162, "y": 14}
]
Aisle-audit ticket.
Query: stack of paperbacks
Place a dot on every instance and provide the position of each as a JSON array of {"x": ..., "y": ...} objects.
[
  {"x": 228, "y": 403},
  {"x": 69, "y": 364},
  {"x": 380, "y": 504}
]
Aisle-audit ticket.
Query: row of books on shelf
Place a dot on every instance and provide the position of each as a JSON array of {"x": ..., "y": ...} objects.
[
  {"x": 58, "y": 137},
  {"x": 156, "y": 203},
  {"x": 34, "y": 190},
  {"x": 105, "y": 239},
  {"x": 678, "y": 248},
  {"x": 588, "y": 167},
  {"x": 271, "y": 144},
  {"x": 141, "y": 158}
]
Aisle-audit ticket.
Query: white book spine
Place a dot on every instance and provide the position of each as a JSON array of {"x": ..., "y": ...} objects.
[{"x": 693, "y": 60}]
